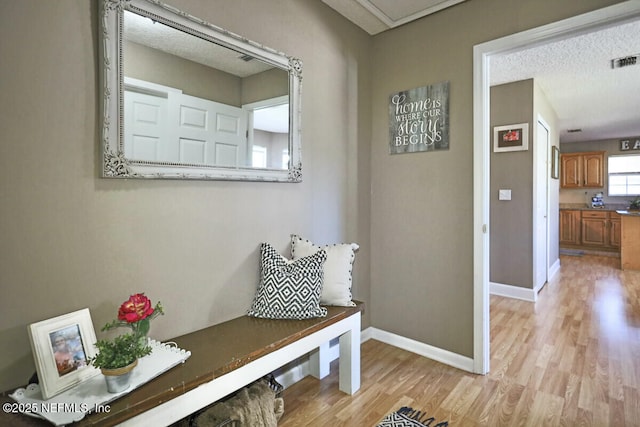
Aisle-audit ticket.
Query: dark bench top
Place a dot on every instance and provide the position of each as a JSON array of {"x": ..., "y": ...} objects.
[{"x": 215, "y": 351}]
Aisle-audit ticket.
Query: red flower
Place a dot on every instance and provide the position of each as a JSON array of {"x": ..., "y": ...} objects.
[{"x": 136, "y": 308}]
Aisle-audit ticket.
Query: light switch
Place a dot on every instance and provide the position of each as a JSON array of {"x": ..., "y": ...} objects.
[{"x": 504, "y": 194}]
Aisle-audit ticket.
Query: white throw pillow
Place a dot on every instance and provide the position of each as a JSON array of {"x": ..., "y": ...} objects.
[{"x": 336, "y": 286}]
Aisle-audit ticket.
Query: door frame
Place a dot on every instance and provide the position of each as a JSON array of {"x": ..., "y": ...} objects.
[
  {"x": 537, "y": 182},
  {"x": 602, "y": 18}
]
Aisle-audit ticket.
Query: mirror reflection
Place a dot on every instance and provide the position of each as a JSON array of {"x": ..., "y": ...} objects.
[
  {"x": 184, "y": 99},
  {"x": 193, "y": 102}
]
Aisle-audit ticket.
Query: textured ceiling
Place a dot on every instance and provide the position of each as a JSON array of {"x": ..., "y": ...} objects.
[
  {"x": 577, "y": 77},
  {"x": 575, "y": 74},
  {"x": 144, "y": 31}
]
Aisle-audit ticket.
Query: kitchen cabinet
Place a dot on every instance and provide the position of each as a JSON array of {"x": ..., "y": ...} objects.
[
  {"x": 569, "y": 227},
  {"x": 582, "y": 170},
  {"x": 595, "y": 227},
  {"x": 600, "y": 229},
  {"x": 590, "y": 229},
  {"x": 630, "y": 241},
  {"x": 615, "y": 230}
]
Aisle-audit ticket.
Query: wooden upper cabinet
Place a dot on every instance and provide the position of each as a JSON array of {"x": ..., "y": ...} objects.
[
  {"x": 593, "y": 169},
  {"x": 582, "y": 170},
  {"x": 571, "y": 170}
]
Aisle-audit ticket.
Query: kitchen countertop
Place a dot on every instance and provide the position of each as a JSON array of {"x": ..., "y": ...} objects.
[
  {"x": 629, "y": 213},
  {"x": 585, "y": 207}
]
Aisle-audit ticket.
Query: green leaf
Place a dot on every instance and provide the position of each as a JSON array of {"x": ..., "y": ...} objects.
[{"x": 143, "y": 327}]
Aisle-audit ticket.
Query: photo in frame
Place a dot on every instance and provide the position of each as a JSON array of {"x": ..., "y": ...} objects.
[
  {"x": 555, "y": 162},
  {"x": 511, "y": 137},
  {"x": 61, "y": 348}
]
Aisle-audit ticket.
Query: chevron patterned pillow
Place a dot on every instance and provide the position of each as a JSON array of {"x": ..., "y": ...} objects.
[{"x": 289, "y": 289}]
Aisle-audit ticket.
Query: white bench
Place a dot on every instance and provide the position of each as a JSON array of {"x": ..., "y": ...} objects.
[{"x": 233, "y": 354}]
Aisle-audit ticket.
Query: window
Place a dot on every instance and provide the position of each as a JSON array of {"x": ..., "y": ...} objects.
[
  {"x": 259, "y": 157},
  {"x": 624, "y": 175}
]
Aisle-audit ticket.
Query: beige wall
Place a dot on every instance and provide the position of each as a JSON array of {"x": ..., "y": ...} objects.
[
  {"x": 422, "y": 204},
  {"x": 72, "y": 240}
]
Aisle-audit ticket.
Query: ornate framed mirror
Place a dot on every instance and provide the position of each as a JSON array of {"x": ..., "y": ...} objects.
[{"x": 185, "y": 99}]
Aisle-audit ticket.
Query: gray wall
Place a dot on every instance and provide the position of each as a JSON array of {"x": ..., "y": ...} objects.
[
  {"x": 422, "y": 204},
  {"x": 152, "y": 65},
  {"x": 511, "y": 238},
  {"x": 72, "y": 240}
]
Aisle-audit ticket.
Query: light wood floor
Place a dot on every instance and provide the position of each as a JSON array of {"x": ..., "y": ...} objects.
[{"x": 570, "y": 359}]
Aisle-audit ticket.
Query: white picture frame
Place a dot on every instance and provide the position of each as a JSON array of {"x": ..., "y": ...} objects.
[
  {"x": 62, "y": 347},
  {"x": 511, "y": 137}
]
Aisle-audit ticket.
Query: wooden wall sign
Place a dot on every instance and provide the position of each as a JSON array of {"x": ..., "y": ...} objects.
[
  {"x": 630, "y": 144},
  {"x": 419, "y": 119}
]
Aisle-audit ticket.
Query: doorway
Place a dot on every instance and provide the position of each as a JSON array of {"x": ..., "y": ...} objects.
[
  {"x": 609, "y": 16},
  {"x": 541, "y": 232}
]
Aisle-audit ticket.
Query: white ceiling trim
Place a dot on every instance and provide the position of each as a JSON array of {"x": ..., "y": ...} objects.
[
  {"x": 375, "y": 16},
  {"x": 391, "y": 23}
]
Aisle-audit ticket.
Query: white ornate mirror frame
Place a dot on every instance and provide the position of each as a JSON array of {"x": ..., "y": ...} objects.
[{"x": 118, "y": 160}]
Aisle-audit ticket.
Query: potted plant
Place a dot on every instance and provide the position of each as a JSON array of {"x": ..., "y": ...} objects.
[
  {"x": 635, "y": 203},
  {"x": 116, "y": 358}
]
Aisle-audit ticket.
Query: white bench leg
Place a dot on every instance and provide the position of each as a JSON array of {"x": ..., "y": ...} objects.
[
  {"x": 349, "y": 375},
  {"x": 319, "y": 361}
]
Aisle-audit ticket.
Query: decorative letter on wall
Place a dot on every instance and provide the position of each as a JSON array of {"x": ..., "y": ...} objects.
[{"x": 419, "y": 119}]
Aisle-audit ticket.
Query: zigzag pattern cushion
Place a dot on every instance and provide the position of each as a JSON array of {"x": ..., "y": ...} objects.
[
  {"x": 336, "y": 289},
  {"x": 289, "y": 289}
]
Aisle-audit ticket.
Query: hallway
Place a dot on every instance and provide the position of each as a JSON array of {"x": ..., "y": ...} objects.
[{"x": 572, "y": 358}]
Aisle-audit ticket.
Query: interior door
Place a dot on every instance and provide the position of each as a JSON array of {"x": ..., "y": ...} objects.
[
  {"x": 211, "y": 133},
  {"x": 541, "y": 205},
  {"x": 145, "y": 126}
]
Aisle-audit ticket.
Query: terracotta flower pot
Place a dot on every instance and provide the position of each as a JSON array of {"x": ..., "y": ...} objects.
[{"x": 118, "y": 379}]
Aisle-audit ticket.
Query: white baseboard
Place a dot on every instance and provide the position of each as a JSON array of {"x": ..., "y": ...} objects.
[
  {"x": 555, "y": 268},
  {"x": 290, "y": 375},
  {"x": 294, "y": 372},
  {"x": 517, "y": 292},
  {"x": 511, "y": 291},
  {"x": 426, "y": 350}
]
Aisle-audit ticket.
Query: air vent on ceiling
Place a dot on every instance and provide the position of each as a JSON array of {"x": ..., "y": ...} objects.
[
  {"x": 625, "y": 61},
  {"x": 574, "y": 130},
  {"x": 247, "y": 58}
]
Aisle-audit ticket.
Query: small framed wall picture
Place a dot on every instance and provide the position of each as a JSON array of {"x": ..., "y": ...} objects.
[
  {"x": 555, "y": 162},
  {"x": 62, "y": 347},
  {"x": 511, "y": 137}
]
